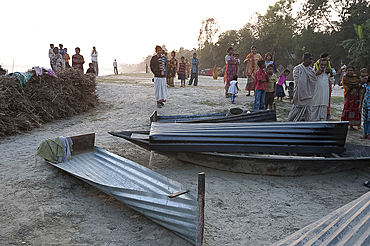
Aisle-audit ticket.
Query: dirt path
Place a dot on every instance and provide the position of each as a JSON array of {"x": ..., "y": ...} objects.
[{"x": 41, "y": 205}]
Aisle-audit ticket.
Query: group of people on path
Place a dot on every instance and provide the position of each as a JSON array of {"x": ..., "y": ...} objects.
[
  {"x": 261, "y": 78},
  {"x": 165, "y": 69},
  {"x": 312, "y": 93},
  {"x": 59, "y": 60}
]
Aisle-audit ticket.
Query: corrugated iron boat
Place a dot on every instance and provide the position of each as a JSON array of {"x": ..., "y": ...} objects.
[
  {"x": 161, "y": 199},
  {"x": 234, "y": 115},
  {"x": 279, "y": 160},
  {"x": 348, "y": 225}
]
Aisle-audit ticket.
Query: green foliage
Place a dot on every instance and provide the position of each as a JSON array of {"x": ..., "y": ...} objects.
[{"x": 358, "y": 48}]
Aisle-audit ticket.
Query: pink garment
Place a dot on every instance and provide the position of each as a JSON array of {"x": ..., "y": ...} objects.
[
  {"x": 231, "y": 71},
  {"x": 281, "y": 80}
]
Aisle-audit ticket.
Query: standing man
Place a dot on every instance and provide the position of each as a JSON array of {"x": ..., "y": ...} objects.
[
  {"x": 62, "y": 52},
  {"x": 321, "y": 98},
  {"x": 51, "y": 54},
  {"x": 158, "y": 67},
  {"x": 78, "y": 60},
  {"x": 305, "y": 80},
  {"x": 94, "y": 59},
  {"x": 194, "y": 70},
  {"x": 115, "y": 67},
  {"x": 67, "y": 58}
]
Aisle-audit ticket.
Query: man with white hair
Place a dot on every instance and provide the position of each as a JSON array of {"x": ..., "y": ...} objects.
[{"x": 305, "y": 81}]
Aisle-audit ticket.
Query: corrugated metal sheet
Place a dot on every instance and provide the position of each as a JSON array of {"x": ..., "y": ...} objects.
[
  {"x": 275, "y": 137},
  {"x": 141, "y": 189},
  {"x": 246, "y": 116},
  {"x": 348, "y": 225},
  {"x": 283, "y": 164}
]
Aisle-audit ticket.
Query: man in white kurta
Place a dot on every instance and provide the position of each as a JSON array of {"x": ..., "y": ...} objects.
[
  {"x": 304, "y": 88},
  {"x": 320, "y": 100}
]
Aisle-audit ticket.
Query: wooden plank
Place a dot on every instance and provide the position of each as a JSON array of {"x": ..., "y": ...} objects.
[{"x": 201, "y": 196}]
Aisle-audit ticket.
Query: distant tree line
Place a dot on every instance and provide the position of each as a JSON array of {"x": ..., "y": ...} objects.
[
  {"x": 288, "y": 38},
  {"x": 140, "y": 67},
  {"x": 287, "y": 35}
]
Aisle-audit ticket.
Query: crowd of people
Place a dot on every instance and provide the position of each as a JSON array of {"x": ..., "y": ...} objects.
[
  {"x": 59, "y": 60},
  {"x": 165, "y": 69},
  {"x": 309, "y": 92}
]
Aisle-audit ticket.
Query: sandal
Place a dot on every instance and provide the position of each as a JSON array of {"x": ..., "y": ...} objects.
[{"x": 367, "y": 184}]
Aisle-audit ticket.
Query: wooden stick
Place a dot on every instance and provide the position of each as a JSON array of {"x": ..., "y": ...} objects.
[
  {"x": 201, "y": 194},
  {"x": 151, "y": 160},
  {"x": 178, "y": 193}
]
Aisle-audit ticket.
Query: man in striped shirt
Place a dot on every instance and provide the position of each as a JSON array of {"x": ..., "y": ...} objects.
[{"x": 158, "y": 67}]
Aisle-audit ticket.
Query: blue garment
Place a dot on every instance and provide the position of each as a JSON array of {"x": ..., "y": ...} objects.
[
  {"x": 259, "y": 100},
  {"x": 280, "y": 91},
  {"x": 195, "y": 63},
  {"x": 367, "y": 127},
  {"x": 22, "y": 77},
  {"x": 63, "y": 53},
  {"x": 273, "y": 63},
  {"x": 232, "y": 98}
]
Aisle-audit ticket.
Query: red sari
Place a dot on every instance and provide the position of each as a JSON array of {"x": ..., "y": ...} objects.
[{"x": 351, "y": 111}]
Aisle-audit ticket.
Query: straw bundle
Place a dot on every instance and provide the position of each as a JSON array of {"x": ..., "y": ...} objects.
[{"x": 43, "y": 99}]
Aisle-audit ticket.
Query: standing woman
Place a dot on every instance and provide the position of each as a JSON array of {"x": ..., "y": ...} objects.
[
  {"x": 268, "y": 61},
  {"x": 351, "y": 111},
  {"x": 231, "y": 68},
  {"x": 158, "y": 67},
  {"x": 252, "y": 67},
  {"x": 94, "y": 59},
  {"x": 57, "y": 61},
  {"x": 215, "y": 72},
  {"x": 78, "y": 60}
]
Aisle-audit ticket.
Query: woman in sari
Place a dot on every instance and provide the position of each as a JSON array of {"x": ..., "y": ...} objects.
[
  {"x": 351, "y": 111},
  {"x": 252, "y": 67},
  {"x": 215, "y": 72},
  {"x": 231, "y": 68}
]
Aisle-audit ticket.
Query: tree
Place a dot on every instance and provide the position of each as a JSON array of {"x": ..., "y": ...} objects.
[
  {"x": 274, "y": 31},
  {"x": 358, "y": 48},
  {"x": 208, "y": 31},
  {"x": 328, "y": 15}
]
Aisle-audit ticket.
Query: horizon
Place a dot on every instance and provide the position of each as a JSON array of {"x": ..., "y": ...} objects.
[{"x": 123, "y": 32}]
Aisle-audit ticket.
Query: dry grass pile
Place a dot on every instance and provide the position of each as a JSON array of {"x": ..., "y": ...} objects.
[{"x": 43, "y": 99}]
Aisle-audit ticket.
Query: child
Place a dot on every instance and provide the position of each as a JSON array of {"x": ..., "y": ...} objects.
[
  {"x": 260, "y": 79},
  {"x": 268, "y": 61},
  {"x": 270, "y": 87},
  {"x": 237, "y": 58},
  {"x": 366, "y": 107},
  {"x": 91, "y": 68},
  {"x": 279, "y": 87},
  {"x": 233, "y": 88},
  {"x": 363, "y": 80},
  {"x": 172, "y": 68},
  {"x": 181, "y": 71},
  {"x": 290, "y": 91}
]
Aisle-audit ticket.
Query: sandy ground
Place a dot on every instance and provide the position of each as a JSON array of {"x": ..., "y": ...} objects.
[{"x": 42, "y": 205}]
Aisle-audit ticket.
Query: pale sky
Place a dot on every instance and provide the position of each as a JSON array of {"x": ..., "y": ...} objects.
[{"x": 124, "y": 30}]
